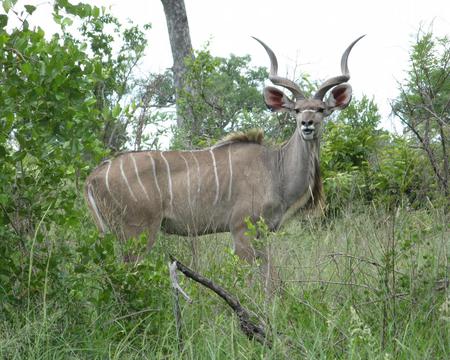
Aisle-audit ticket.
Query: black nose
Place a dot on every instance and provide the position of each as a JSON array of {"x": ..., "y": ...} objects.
[{"x": 310, "y": 122}]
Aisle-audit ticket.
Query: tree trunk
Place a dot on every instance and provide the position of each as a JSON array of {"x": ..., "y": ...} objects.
[{"x": 180, "y": 42}]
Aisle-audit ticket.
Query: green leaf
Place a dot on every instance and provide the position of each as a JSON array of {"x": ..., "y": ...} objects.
[
  {"x": 66, "y": 22},
  {"x": 7, "y": 5},
  {"x": 26, "y": 68},
  {"x": 2, "y": 151},
  {"x": 3, "y": 20},
  {"x": 30, "y": 9},
  {"x": 95, "y": 12},
  {"x": 116, "y": 111}
]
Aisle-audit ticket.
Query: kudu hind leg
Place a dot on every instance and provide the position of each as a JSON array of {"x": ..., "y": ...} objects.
[{"x": 131, "y": 231}]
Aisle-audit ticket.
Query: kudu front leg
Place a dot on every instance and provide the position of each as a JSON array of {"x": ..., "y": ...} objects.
[{"x": 244, "y": 249}]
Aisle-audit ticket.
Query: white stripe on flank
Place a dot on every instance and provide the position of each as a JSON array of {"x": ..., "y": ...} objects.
[
  {"x": 107, "y": 177},
  {"x": 216, "y": 176},
  {"x": 188, "y": 179},
  {"x": 94, "y": 206},
  {"x": 156, "y": 179},
  {"x": 169, "y": 180},
  {"x": 107, "y": 182},
  {"x": 138, "y": 177},
  {"x": 231, "y": 172},
  {"x": 126, "y": 180},
  {"x": 199, "y": 182}
]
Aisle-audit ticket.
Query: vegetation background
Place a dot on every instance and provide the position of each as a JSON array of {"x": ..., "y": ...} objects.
[{"x": 369, "y": 279}]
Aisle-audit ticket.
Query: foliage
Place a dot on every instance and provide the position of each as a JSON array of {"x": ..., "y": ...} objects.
[
  {"x": 350, "y": 146},
  {"x": 57, "y": 104},
  {"x": 367, "y": 284},
  {"x": 223, "y": 93},
  {"x": 423, "y": 105},
  {"x": 50, "y": 125},
  {"x": 361, "y": 162},
  {"x": 157, "y": 94},
  {"x": 371, "y": 282},
  {"x": 117, "y": 92}
]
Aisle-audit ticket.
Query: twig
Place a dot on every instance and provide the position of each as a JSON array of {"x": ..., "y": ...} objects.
[
  {"x": 386, "y": 298},
  {"x": 17, "y": 52},
  {"x": 131, "y": 315},
  {"x": 335, "y": 283},
  {"x": 12, "y": 224},
  {"x": 367, "y": 260},
  {"x": 250, "y": 329},
  {"x": 372, "y": 262},
  {"x": 176, "y": 288},
  {"x": 174, "y": 279}
]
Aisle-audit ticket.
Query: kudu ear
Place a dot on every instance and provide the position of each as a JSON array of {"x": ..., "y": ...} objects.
[
  {"x": 276, "y": 100},
  {"x": 339, "y": 98}
]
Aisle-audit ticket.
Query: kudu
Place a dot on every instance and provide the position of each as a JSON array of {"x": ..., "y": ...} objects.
[{"x": 215, "y": 189}]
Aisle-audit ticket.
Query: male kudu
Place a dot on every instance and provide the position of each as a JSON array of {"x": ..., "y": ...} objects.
[{"x": 215, "y": 189}]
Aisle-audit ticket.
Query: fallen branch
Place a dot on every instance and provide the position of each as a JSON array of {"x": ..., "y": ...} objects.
[
  {"x": 250, "y": 329},
  {"x": 176, "y": 303}
]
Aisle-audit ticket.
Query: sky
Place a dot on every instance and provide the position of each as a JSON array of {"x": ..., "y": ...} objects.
[{"x": 306, "y": 36}]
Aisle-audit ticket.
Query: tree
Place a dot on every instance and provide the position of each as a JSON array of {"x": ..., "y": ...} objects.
[
  {"x": 225, "y": 95},
  {"x": 115, "y": 91},
  {"x": 423, "y": 105},
  {"x": 180, "y": 42},
  {"x": 350, "y": 144},
  {"x": 60, "y": 106}
]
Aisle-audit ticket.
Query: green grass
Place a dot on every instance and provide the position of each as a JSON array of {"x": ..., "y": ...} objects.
[{"x": 363, "y": 285}]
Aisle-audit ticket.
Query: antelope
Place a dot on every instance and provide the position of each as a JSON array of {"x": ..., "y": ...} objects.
[{"x": 195, "y": 192}]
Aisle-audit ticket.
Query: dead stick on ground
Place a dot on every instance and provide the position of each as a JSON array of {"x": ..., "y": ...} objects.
[{"x": 250, "y": 329}]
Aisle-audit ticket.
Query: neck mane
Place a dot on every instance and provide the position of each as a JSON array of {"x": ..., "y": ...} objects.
[{"x": 255, "y": 136}]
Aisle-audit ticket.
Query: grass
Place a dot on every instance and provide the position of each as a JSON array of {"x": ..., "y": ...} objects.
[{"x": 363, "y": 285}]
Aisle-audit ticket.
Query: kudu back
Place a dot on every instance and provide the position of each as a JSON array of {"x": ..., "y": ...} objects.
[{"x": 216, "y": 189}]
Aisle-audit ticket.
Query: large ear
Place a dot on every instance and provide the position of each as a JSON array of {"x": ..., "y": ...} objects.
[
  {"x": 276, "y": 100},
  {"x": 339, "y": 98}
]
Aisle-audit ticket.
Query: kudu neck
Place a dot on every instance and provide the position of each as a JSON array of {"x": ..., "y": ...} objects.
[
  {"x": 298, "y": 161},
  {"x": 297, "y": 149}
]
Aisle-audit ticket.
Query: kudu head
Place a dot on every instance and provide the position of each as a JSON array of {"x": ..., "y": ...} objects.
[{"x": 309, "y": 112}]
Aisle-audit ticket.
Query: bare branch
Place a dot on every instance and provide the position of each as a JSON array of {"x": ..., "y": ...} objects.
[
  {"x": 174, "y": 279},
  {"x": 250, "y": 329}
]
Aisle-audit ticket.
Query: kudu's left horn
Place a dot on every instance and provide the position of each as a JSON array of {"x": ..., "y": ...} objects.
[{"x": 332, "y": 82}]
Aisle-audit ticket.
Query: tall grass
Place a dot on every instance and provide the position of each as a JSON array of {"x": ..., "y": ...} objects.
[{"x": 367, "y": 284}]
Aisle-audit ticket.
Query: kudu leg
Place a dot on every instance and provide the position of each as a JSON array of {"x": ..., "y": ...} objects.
[
  {"x": 244, "y": 249},
  {"x": 242, "y": 244},
  {"x": 133, "y": 231}
]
